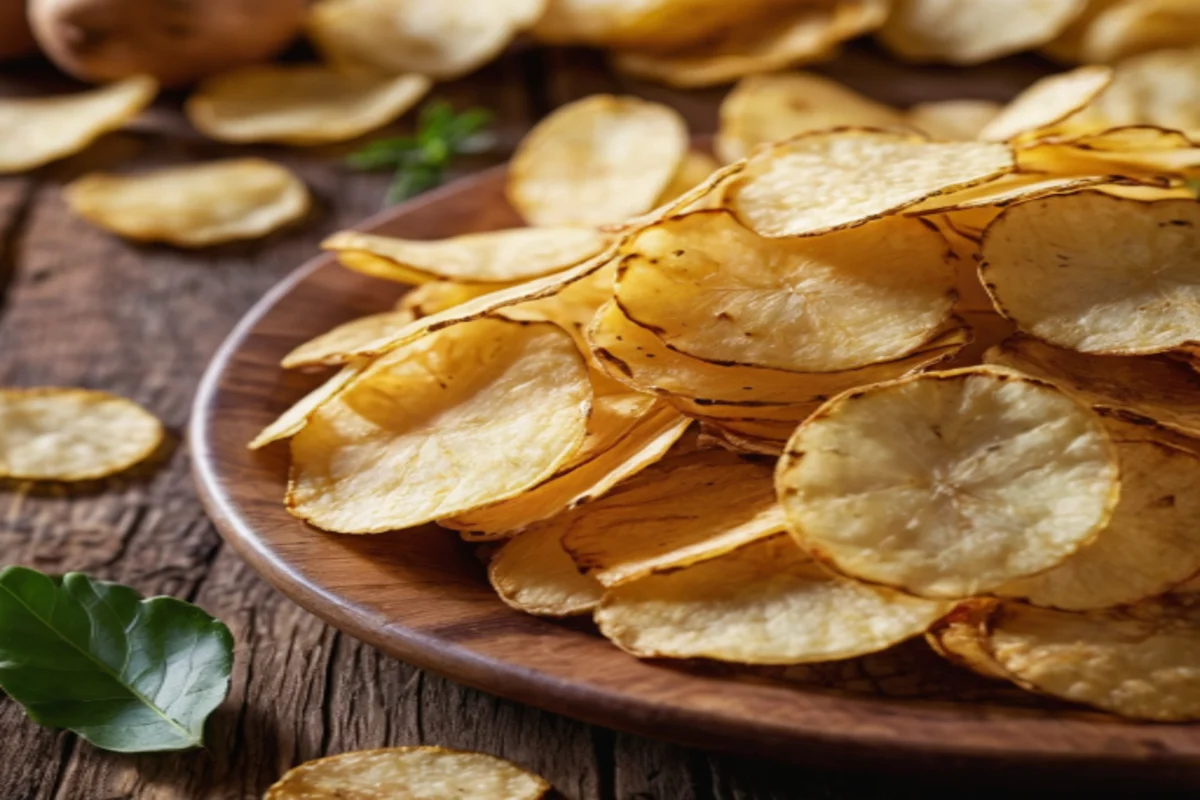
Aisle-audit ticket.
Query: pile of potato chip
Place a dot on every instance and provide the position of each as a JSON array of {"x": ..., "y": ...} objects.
[{"x": 861, "y": 384}]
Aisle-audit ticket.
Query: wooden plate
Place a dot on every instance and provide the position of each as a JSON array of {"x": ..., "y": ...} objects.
[{"x": 422, "y": 596}]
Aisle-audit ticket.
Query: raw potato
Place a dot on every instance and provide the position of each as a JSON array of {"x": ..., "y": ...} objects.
[
  {"x": 819, "y": 182},
  {"x": 949, "y": 484},
  {"x": 56, "y": 434},
  {"x": 37, "y": 130},
  {"x": 411, "y": 773},
  {"x": 1096, "y": 273},
  {"x": 196, "y": 205},
  {"x": 292, "y": 421},
  {"x": 333, "y": 347},
  {"x": 1048, "y": 102},
  {"x": 470, "y": 415},
  {"x": 766, "y": 603},
  {"x": 176, "y": 42},
  {"x": 299, "y": 105},
  {"x": 595, "y": 161},
  {"x": 440, "y": 39},
  {"x": 714, "y": 290},
  {"x": 16, "y": 39},
  {"x": 534, "y": 574},
  {"x": 959, "y": 120}
]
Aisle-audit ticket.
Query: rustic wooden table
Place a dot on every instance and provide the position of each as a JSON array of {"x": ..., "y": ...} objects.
[{"x": 81, "y": 308}]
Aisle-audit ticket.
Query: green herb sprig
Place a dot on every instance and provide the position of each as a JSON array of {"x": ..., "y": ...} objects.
[{"x": 420, "y": 161}]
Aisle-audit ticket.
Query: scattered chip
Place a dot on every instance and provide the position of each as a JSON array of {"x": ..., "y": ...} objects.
[
  {"x": 414, "y": 773},
  {"x": 37, "y": 130},
  {"x": 1157, "y": 88},
  {"x": 1039, "y": 110},
  {"x": 195, "y": 205},
  {"x": 504, "y": 403},
  {"x": 957, "y": 120},
  {"x": 53, "y": 434},
  {"x": 299, "y": 105},
  {"x": 292, "y": 421},
  {"x": 534, "y": 574},
  {"x": 596, "y": 161},
  {"x": 1129, "y": 28},
  {"x": 766, "y": 603},
  {"x": 1097, "y": 273},
  {"x": 332, "y": 348},
  {"x": 437, "y": 296},
  {"x": 949, "y": 484}
]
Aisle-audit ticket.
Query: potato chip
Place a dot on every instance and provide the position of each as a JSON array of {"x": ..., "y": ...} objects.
[
  {"x": 299, "y": 105},
  {"x": 949, "y": 484},
  {"x": 710, "y": 288},
  {"x": 573, "y": 308},
  {"x": 1068, "y": 45},
  {"x": 1160, "y": 388},
  {"x": 681, "y": 511},
  {"x": 437, "y": 296},
  {"x": 37, "y": 130},
  {"x": 1135, "y": 154},
  {"x": 1003, "y": 191},
  {"x": 1157, "y": 88},
  {"x": 960, "y": 637},
  {"x": 461, "y": 418},
  {"x": 292, "y": 421},
  {"x": 719, "y": 435},
  {"x": 505, "y": 256},
  {"x": 596, "y": 160},
  {"x": 704, "y": 196},
  {"x": 53, "y": 434},
  {"x": 427, "y": 37},
  {"x": 1151, "y": 543},
  {"x": 769, "y": 108},
  {"x": 1139, "y": 661},
  {"x": 818, "y": 182},
  {"x": 1129, "y": 28},
  {"x": 331, "y": 348},
  {"x": 534, "y": 574},
  {"x": 1041, "y": 109},
  {"x": 693, "y": 171},
  {"x": 640, "y": 23},
  {"x": 1096, "y": 273},
  {"x": 960, "y": 120},
  {"x": 766, "y": 603},
  {"x": 413, "y": 773},
  {"x": 194, "y": 205},
  {"x": 973, "y": 32}
]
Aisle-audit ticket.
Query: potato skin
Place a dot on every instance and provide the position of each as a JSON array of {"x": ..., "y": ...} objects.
[
  {"x": 176, "y": 41},
  {"x": 16, "y": 39}
]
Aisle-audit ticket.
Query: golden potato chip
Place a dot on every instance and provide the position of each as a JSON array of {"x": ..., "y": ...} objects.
[
  {"x": 194, "y": 205},
  {"x": 648, "y": 442},
  {"x": 505, "y": 256},
  {"x": 427, "y": 37},
  {"x": 766, "y": 603},
  {"x": 1157, "y": 387},
  {"x": 959, "y": 637},
  {"x": 53, "y": 434},
  {"x": 1157, "y": 88},
  {"x": 1138, "y": 661},
  {"x": 1068, "y": 45},
  {"x": 973, "y": 32},
  {"x": 534, "y": 574},
  {"x": 38, "y": 130},
  {"x": 1151, "y": 543},
  {"x": 640, "y": 23},
  {"x": 331, "y": 348},
  {"x": 787, "y": 414},
  {"x": 818, "y": 182},
  {"x": 467, "y": 416},
  {"x": 949, "y": 484},
  {"x": 719, "y": 435},
  {"x": 414, "y": 773},
  {"x": 436, "y": 296},
  {"x": 681, "y": 511},
  {"x": 292, "y": 421},
  {"x": 596, "y": 160},
  {"x": 1141, "y": 153},
  {"x": 712, "y": 289},
  {"x": 1041, "y": 109},
  {"x": 572, "y": 308},
  {"x": 960, "y": 120},
  {"x": 708, "y": 194},
  {"x": 772, "y": 107},
  {"x": 1096, "y": 273},
  {"x": 1003, "y": 191},
  {"x": 1130, "y": 28},
  {"x": 299, "y": 105},
  {"x": 693, "y": 171}
]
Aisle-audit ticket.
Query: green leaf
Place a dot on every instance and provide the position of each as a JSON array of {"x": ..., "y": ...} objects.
[{"x": 126, "y": 674}]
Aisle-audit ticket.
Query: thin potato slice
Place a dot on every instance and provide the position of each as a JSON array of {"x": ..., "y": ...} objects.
[
  {"x": 1141, "y": 152},
  {"x": 779, "y": 414},
  {"x": 1157, "y": 88},
  {"x": 766, "y": 603},
  {"x": 772, "y": 107},
  {"x": 299, "y": 105},
  {"x": 973, "y": 32},
  {"x": 693, "y": 171},
  {"x": 37, "y": 130},
  {"x": 823, "y": 181},
  {"x": 960, "y": 638},
  {"x": 718, "y": 433},
  {"x": 195, "y": 205},
  {"x": 1038, "y": 111},
  {"x": 505, "y": 256},
  {"x": 1096, "y": 273},
  {"x": 1151, "y": 544},
  {"x": 332, "y": 348},
  {"x": 1003, "y": 191},
  {"x": 957, "y": 120},
  {"x": 640, "y": 23},
  {"x": 681, "y": 511},
  {"x": 1158, "y": 388},
  {"x": 413, "y": 773},
  {"x": 598, "y": 160},
  {"x": 436, "y": 296},
  {"x": 573, "y": 308},
  {"x": 534, "y": 574},
  {"x": 712, "y": 289},
  {"x": 1140, "y": 661},
  {"x": 471, "y": 415},
  {"x": 949, "y": 484},
  {"x": 1127, "y": 29},
  {"x": 54, "y": 434},
  {"x": 427, "y": 37},
  {"x": 292, "y": 421},
  {"x": 1067, "y": 47}
]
